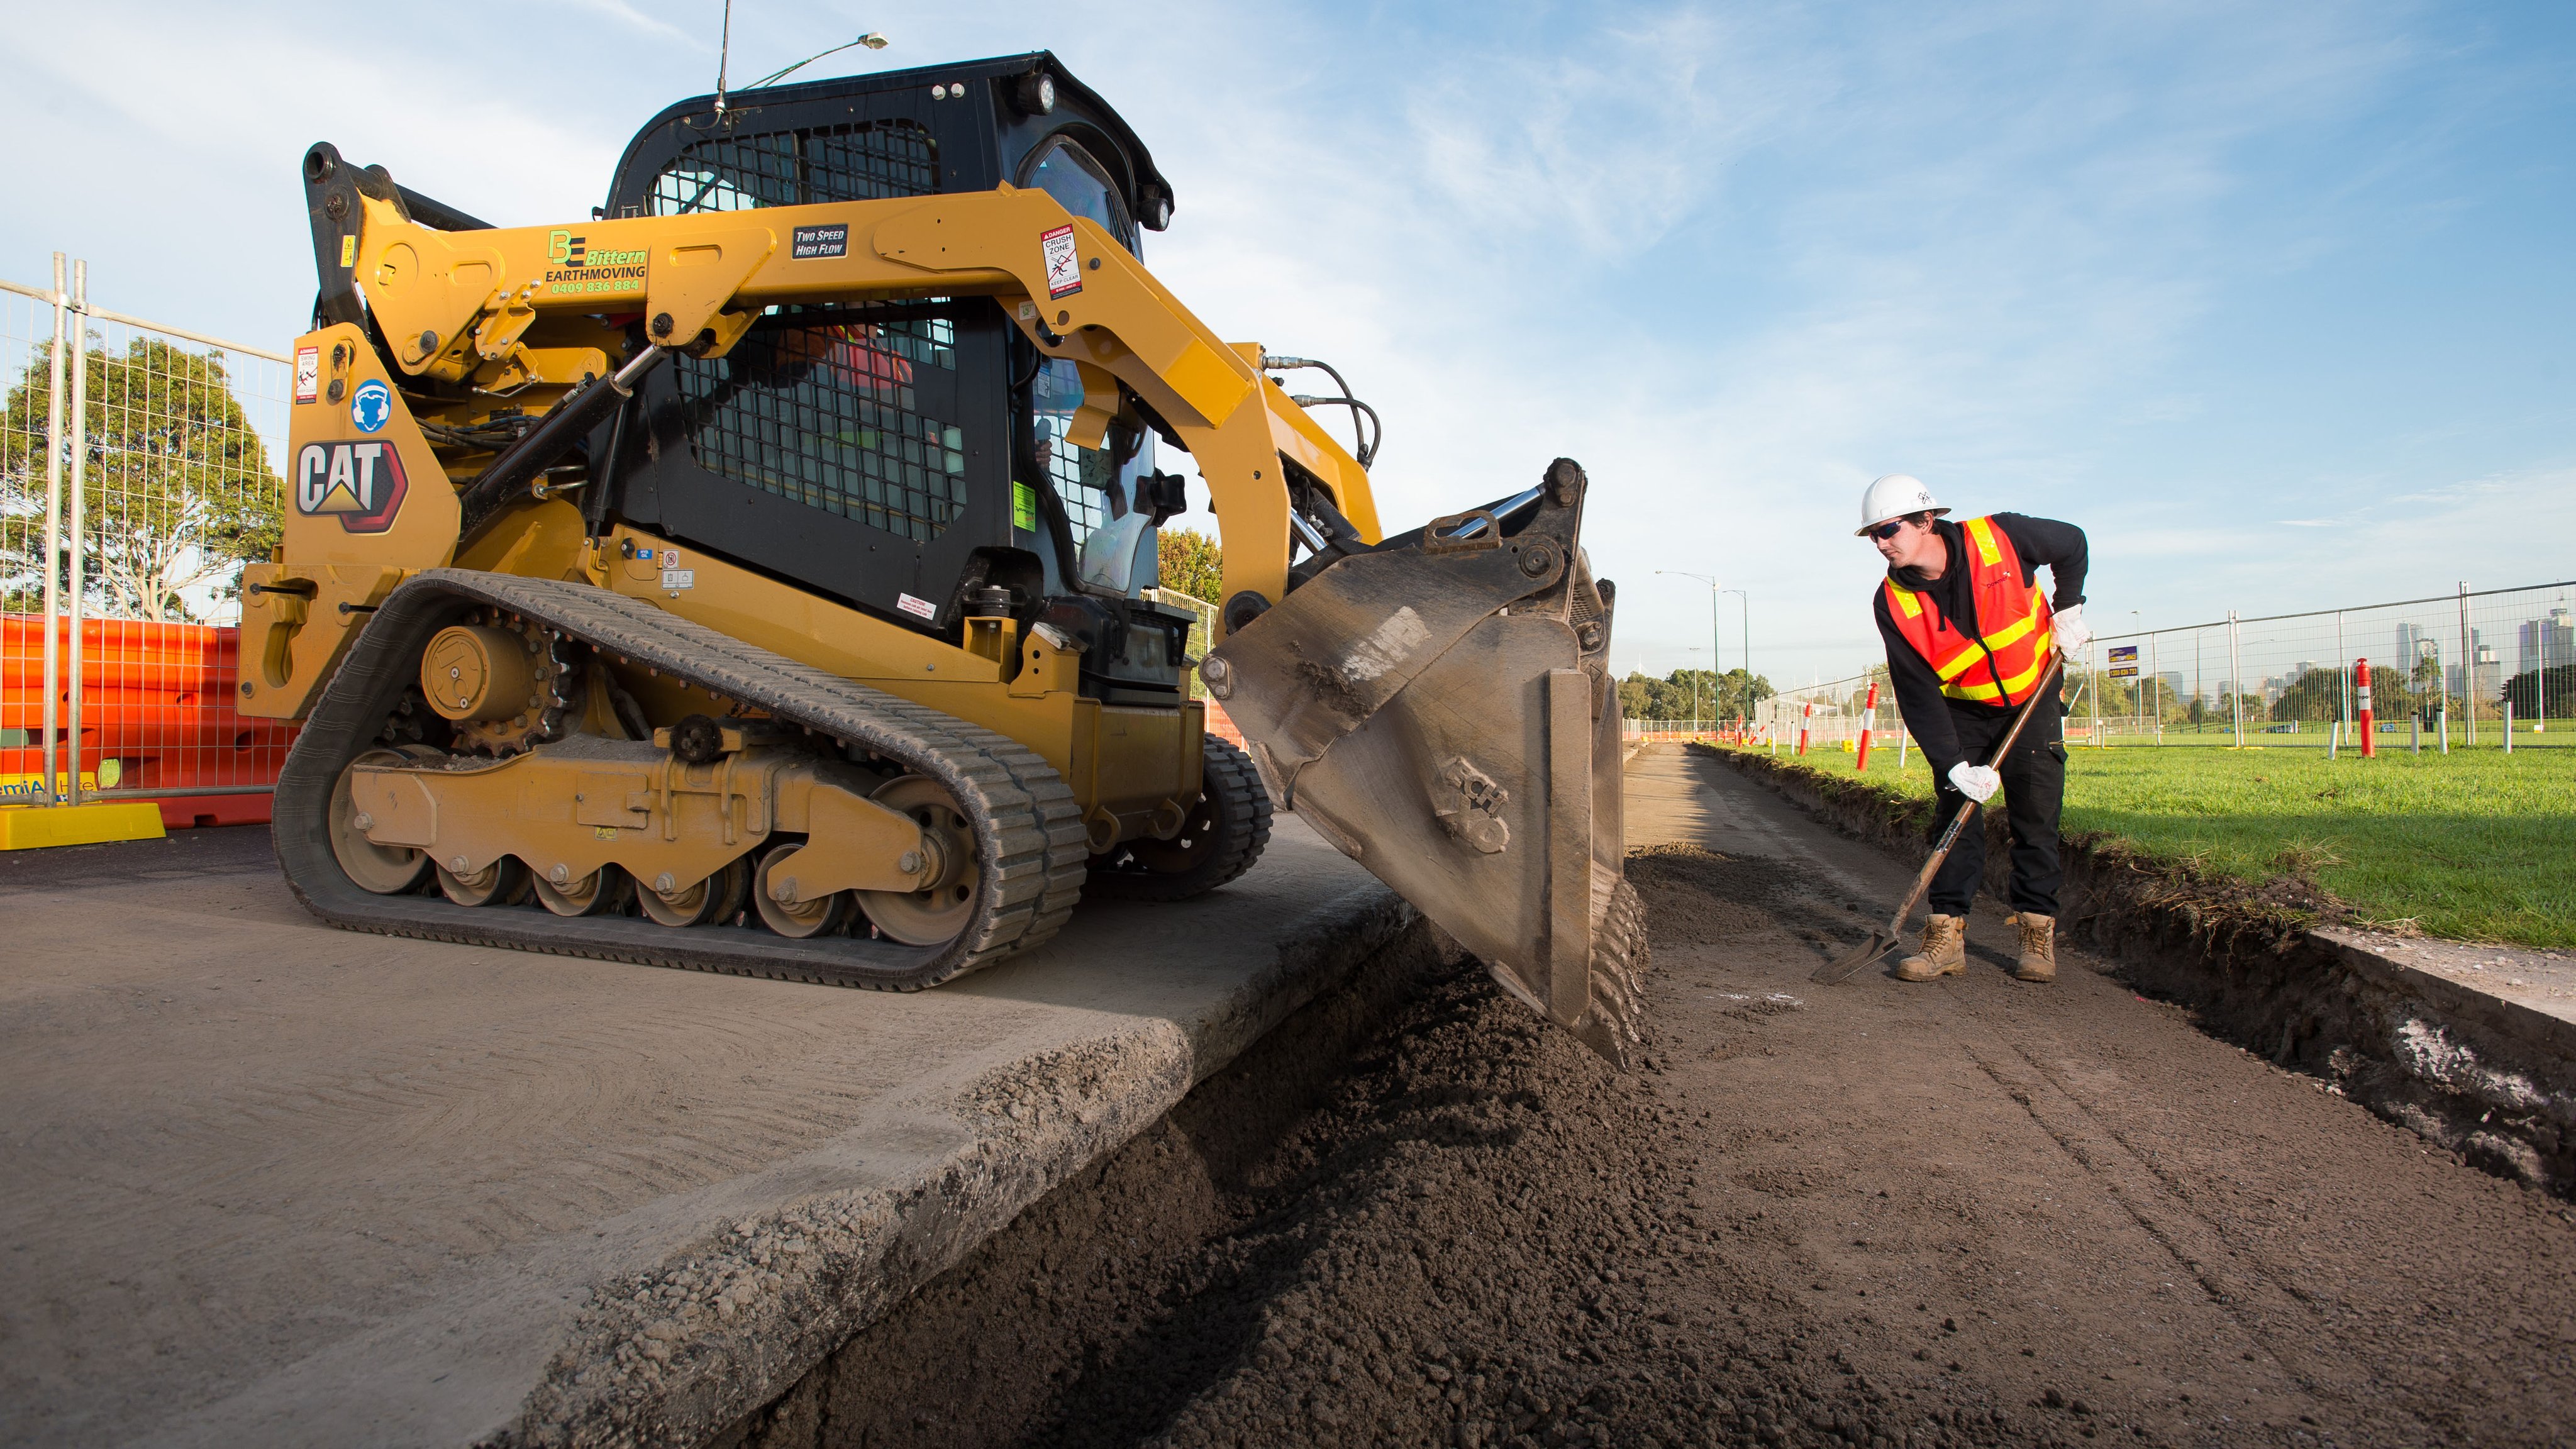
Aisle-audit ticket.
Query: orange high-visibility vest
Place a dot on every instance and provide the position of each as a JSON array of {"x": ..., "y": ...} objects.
[{"x": 2005, "y": 665}]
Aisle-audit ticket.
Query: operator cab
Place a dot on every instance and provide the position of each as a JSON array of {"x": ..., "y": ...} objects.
[{"x": 909, "y": 457}]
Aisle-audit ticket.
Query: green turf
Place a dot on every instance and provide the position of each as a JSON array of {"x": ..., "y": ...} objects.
[{"x": 2476, "y": 845}]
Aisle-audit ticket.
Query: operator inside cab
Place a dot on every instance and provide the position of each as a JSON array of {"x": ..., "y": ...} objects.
[{"x": 1968, "y": 640}]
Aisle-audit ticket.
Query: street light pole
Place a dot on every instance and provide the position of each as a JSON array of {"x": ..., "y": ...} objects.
[
  {"x": 724, "y": 56},
  {"x": 1744, "y": 602},
  {"x": 1714, "y": 660}
]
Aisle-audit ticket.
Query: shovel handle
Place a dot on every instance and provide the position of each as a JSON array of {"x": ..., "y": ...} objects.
[{"x": 1968, "y": 808}]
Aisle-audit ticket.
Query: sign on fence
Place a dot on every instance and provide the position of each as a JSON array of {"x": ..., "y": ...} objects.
[{"x": 2124, "y": 662}]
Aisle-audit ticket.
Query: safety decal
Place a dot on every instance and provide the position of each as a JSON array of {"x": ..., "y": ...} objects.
[
  {"x": 918, "y": 608},
  {"x": 819, "y": 241},
  {"x": 678, "y": 579},
  {"x": 308, "y": 374},
  {"x": 361, "y": 484},
  {"x": 1063, "y": 268},
  {"x": 1024, "y": 507},
  {"x": 349, "y": 251},
  {"x": 373, "y": 407}
]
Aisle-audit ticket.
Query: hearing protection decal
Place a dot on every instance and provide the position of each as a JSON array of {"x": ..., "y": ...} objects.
[
  {"x": 372, "y": 407},
  {"x": 361, "y": 484}
]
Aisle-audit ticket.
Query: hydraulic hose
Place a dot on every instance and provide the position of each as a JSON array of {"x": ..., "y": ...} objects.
[
  {"x": 1365, "y": 447},
  {"x": 566, "y": 423}
]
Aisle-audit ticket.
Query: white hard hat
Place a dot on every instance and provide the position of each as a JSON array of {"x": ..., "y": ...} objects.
[{"x": 1894, "y": 496}]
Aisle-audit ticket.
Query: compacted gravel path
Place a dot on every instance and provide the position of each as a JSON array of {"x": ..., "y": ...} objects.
[{"x": 1973, "y": 1212}]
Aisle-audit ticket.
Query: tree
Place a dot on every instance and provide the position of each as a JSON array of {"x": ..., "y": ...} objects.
[
  {"x": 2314, "y": 697},
  {"x": 2523, "y": 693},
  {"x": 1193, "y": 564},
  {"x": 1740, "y": 691},
  {"x": 176, "y": 485},
  {"x": 1692, "y": 693}
]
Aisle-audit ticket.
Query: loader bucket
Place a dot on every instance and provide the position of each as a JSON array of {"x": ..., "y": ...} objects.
[{"x": 1441, "y": 709}]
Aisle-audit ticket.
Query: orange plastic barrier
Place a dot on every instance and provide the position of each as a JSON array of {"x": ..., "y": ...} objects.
[
  {"x": 157, "y": 699},
  {"x": 1221, "y": 725}
]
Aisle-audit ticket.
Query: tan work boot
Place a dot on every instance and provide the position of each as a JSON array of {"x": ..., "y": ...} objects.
[
  {"x": 1944, "y": 953},
  {"x": 2038, "y": 960}
]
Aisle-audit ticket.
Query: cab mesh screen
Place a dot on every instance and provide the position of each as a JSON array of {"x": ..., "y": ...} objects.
[
  {"x": 867, "y": 161},
  {"x": 825, "y": 405}
]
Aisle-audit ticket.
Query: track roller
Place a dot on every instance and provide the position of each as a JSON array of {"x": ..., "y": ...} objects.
[{"x": 543, "y": 828}]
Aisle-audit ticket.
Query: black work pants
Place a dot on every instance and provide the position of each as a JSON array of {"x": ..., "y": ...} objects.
[{"x": 2034, "y": 795}]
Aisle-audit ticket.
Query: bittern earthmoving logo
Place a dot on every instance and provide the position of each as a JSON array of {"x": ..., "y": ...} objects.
[
  {"x": 576, "y": 268},
  {"x": 359, "y": 483}
]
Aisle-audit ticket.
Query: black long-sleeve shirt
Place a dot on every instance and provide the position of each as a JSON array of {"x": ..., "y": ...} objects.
[{"x": 1928, "y": 712}]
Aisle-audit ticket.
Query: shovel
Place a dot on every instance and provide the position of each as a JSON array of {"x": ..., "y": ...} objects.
[{"x": 1884, "y": 939}]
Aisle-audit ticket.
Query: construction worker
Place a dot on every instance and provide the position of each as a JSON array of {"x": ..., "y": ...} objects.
[{"x": 1968, "y": 640}]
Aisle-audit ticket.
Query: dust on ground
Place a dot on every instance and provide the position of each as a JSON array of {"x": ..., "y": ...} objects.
[{"x": 1974, "y": 1213}]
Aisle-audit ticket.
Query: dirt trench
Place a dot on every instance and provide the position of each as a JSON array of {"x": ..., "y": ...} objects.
[{"x": 1977, "y": 1212}]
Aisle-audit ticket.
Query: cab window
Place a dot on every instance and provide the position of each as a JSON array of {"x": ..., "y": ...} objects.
[{"x": 1063, "y": 170}]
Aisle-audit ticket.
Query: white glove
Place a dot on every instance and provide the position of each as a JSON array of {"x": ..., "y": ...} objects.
[
  {"x": 1975, "y": 781},
  {"x": 2072, "y": 636}
]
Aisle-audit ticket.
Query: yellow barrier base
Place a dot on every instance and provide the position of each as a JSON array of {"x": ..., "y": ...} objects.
[{"x": 31, "y": 827}]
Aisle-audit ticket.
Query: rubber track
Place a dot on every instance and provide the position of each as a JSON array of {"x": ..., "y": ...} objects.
[
  {"x": 1226, "y": 772},
  {"x": 1028, "y": 829},
  {"x": 1614, "y": 1026}
]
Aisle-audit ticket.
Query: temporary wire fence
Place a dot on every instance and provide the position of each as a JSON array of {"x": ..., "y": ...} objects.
[
  {"x": 137, "y": 476},
  {"x": 2473, "y": 669},
  {"x": 1831, "y": 717}
]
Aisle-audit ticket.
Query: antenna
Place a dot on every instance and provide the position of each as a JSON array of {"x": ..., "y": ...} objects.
[{"x": 724, "y": 52}]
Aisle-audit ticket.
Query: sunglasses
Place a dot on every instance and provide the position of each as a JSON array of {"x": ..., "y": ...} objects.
[{"x": 1888, "y": 530}]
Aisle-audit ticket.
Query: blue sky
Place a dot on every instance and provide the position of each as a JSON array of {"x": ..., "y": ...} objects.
[{"x": 2274, "y": 300}]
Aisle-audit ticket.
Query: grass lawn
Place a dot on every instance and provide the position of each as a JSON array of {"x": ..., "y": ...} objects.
[{"x": 2477, "y": 845}]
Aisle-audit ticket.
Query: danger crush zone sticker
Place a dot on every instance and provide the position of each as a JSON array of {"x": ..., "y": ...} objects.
[{"x": 1063, "y": 265}]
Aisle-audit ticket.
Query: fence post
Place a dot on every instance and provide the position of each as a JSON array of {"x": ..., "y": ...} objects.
[
  {"x": 2468, "y": 675},
  {"x": 2508, "y": 727},
  {"x": 2093, "y": 676},
  {"x": 2155, "y": 666},
  {"x": 79, "y": 511},
  {"x": 2236, "y": 682},
  {"x": 53, "y": 540},
  {"x": 2343, "y": 686}
]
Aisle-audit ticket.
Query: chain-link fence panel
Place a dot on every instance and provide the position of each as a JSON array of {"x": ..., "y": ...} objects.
[{"x": 152, "y": 450}]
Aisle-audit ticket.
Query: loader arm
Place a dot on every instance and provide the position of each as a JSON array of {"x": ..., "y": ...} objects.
[{"x": 455, "y": 306}]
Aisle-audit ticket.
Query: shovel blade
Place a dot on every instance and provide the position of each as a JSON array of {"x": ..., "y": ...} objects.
[{"x": 1842, "y": 967}]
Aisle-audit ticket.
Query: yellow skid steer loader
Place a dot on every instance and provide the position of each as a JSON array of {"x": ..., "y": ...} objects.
[{"x": 758, "y": 576}]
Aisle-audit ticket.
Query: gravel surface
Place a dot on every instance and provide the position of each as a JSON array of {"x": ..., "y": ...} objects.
[{"x": 1976, "y": 1212}]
